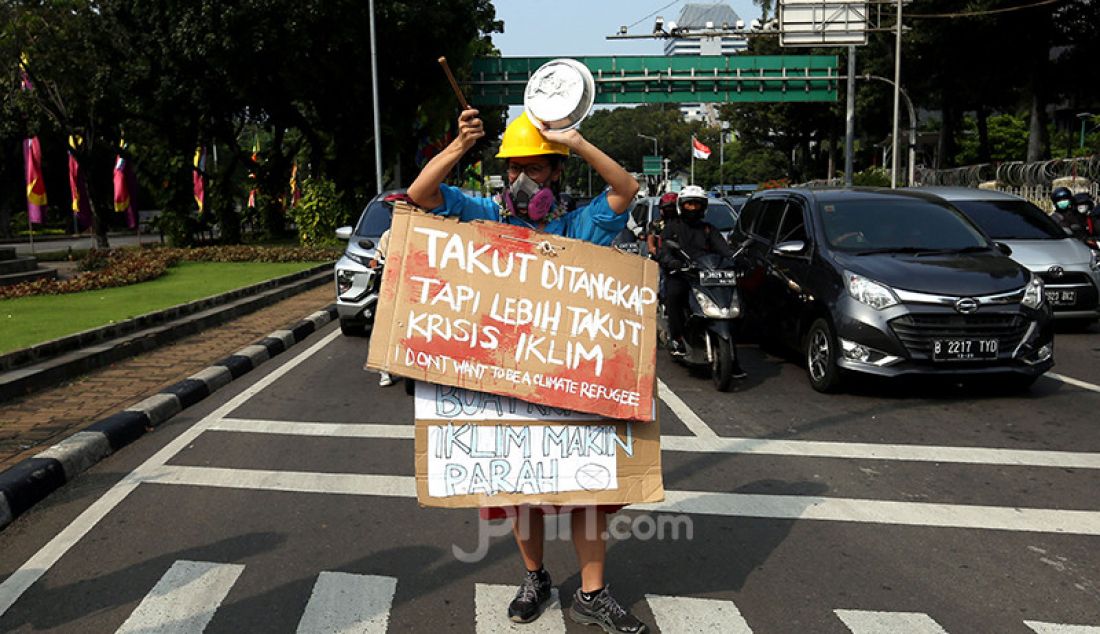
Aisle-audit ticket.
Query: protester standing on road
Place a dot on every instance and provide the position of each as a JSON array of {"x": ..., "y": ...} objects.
[
  {"x": 379, "y": 260},
  {"x": 535, "y": 162}
]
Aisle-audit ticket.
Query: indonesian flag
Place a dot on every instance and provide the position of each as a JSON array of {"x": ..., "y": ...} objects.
[
  {"x": 698, "y": 150},
  {"x": 198, "y": 186},
  {"x": 78, "y": 186},
  {"x": 36, "y": 188}
]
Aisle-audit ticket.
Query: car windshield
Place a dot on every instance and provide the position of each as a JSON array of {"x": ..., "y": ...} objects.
[
  {"x": 897, "y": 224},
  {"x": 1011, "y": 219},
  {"x": 375, "y": 220},
  {"x": 720, "y": 215}
]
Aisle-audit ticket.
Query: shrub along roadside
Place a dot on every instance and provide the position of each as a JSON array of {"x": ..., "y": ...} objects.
[{"x": 122, "y": 267}]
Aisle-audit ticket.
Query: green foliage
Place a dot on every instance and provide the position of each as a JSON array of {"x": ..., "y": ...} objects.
[
  {"x": 1007, "y": 139},
  {"x": 872, "y": 177},
  {"x": 319, "y": 213}
]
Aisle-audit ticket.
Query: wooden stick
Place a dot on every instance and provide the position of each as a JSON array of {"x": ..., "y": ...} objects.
[{"x": 454, "y": 84}]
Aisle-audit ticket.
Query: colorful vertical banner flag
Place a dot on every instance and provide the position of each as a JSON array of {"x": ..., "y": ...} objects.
[
  {"x": 198, "y": 182},
  {"x": 32, "y": 160},
  {"x": 295, "y": 189},
  {"x": 698, "y": 150},
  {"x": 252, "y": 175},
  {"x": 124, "y": 181},
  {"x": 36, "y": 187},
  {"x": 78, "y": 185}
]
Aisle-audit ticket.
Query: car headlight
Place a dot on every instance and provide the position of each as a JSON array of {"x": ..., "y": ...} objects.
[
  {"x": 1033, "y": 292},
  {"x": 710, "y": 309},
  {"x": 344, "y": 280},
  {"x": 869, "y": 292},
  {"x": 361, "y": 259}
]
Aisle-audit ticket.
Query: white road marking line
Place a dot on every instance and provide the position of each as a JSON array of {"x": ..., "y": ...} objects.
[
  {"x": 297, "y": 428},
  {"x": 683, "y": 412},
  {"x": 184, "y": 600},
  {"x": 688, "y": 614},
  {"x": 799, "y": 507},
  {"x": 758, "y": 446},
  {"x": 787, "y": 507},
  {"x": 288, "y": 481},
  {"x": 874, "y": 451},
  {"x": 15, "y": 585},
  {"x": 1061, "y": 628},
  {"x": 1072, "y": 381},
  {"x": 867, "y": 622},
  {"x": 343, "y": 603},
  {"x": 491, "y": 612}
]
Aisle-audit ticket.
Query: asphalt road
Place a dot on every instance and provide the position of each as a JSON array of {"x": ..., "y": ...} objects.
[{"x": 899, "y": 507}]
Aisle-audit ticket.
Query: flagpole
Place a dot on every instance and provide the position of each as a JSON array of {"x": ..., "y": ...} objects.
[{"x": 692, "y": 159}]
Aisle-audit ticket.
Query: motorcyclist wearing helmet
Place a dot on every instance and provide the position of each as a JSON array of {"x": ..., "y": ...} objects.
[
  {"x": 534, "y": 168},
  {"x": 535, "y": 162},
  {"x": 666, "y": 206},
  {"x": 694, "y": 237},
  {"x": 1065, "y": 212},
  {"x": 1086, "y": 209}
]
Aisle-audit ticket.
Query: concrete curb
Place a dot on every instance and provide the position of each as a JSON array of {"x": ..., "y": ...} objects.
[
  {"x": 66, "y": 364},
  {"x": 30, "y": 481}
]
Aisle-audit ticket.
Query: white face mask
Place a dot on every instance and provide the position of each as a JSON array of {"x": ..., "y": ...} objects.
[{"x": 1082, "y": 209}]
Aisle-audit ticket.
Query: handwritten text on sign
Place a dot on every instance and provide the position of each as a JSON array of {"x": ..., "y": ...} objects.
[
  {"x": 482, "y": 307},
  {"x": 491, "y": 459}
]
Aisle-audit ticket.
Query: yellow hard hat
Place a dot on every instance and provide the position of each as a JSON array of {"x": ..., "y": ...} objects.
[{"x": 522, "y": 138}]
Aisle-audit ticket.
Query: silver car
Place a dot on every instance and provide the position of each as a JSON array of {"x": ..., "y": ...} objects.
[
  {"x": 1070, "y": 269},
  {"x": 356, "y": 282}
]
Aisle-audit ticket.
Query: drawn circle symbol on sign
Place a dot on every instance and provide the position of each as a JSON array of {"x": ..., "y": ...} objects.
[{"x": 593, "y": 477}]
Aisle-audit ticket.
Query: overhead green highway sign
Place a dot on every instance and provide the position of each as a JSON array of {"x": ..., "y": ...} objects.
[{"x": 500, "y": 81}]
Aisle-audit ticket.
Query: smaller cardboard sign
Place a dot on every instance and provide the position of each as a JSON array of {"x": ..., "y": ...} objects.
[
  {"x": 475, "y": 449},
  {"x": 503, "y": 309}
]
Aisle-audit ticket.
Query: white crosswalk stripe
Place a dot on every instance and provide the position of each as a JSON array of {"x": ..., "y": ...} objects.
[
  {"x": 184, "y": 600},
  {"x": 491, "y": 612},
  {"x": 868, "y": 622},
  {"x": 344, "y": 603},
  {"x": 1061, "y": 628},
  {"x": 686, "y": 614}
]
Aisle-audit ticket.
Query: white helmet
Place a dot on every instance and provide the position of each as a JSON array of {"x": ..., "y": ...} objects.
[{"x": 691, "y": 192}]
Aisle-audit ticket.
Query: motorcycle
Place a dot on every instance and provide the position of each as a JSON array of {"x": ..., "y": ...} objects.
[{"x": 713, "y": 306}]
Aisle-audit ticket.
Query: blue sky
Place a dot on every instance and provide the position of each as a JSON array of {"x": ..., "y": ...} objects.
[{"x": 579, "y": 27}]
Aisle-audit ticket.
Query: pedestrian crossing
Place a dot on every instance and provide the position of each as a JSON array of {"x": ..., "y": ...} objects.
[{"x": 187, "y": 597}]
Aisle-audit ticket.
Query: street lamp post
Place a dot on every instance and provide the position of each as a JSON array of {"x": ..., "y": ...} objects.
[
  {"x": 651, "y": 138},
  {"x": 374, "y": 98},
  {"x": 897, "y": 99},
  {"x": 912, "y": 130}
]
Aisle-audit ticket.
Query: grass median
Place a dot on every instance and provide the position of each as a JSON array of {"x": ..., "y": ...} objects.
[{"x": 27, "y": 321}]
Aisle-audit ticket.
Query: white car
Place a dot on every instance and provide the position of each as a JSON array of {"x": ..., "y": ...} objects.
[{"x": 1069, "y": 268}]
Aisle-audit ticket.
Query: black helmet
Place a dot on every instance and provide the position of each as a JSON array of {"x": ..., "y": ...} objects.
[
  {"x": 1083, "y": 203},
  {"x": 1062, "y": 198}
]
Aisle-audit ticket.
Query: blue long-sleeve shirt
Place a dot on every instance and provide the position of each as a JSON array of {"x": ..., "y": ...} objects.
[{"x": 595, "y": 222}]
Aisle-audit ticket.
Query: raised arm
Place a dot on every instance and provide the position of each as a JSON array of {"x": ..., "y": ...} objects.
[
  {"x": 424, "y": 191},
  {"x": 623, "y": 185}
]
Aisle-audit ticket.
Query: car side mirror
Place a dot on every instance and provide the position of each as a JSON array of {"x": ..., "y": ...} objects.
[
  {"x": 791, "y": 247},
  {"x": 344, "y": 233},
  {"x": 1003, "y": 248}
]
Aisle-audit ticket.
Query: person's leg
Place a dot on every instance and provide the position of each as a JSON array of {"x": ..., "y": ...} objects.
[
  {"x": 534, "y": 592},
  {"x": 589, "y": 529},
  {"x": 593, "y": 603},
  {"x": 529, "y": 528},
  {"x": 676, "y": 299}
]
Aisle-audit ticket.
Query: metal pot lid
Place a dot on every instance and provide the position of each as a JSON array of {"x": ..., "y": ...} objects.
[{"x": 559, "y": 94}]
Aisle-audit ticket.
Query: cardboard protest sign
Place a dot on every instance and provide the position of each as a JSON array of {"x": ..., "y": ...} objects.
[
  {"x": 503, "y": 309},
  {"x": 475, "y": 449}
]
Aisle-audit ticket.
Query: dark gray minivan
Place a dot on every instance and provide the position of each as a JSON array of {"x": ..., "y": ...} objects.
[{"x": 888, "y": 282}]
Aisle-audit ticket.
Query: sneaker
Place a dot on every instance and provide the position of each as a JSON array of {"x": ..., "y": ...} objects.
[
  {"x": 676, "y": 348},
  {"x": 385, "y": 380},
  {"x": 738, "y": 373},
  {"x": 603, "y": 610},
  {"x": 530, "y": 598}
]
